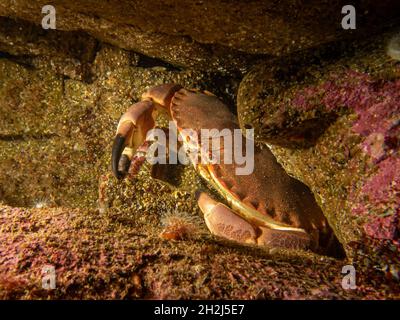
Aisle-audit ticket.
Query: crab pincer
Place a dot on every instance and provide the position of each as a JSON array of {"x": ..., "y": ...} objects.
[{"x": 265, "y": 207}]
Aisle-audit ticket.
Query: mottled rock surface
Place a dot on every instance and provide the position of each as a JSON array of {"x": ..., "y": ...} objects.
[
  {"x": 56, "y": 132},
  {"x": 210, "y": 34},
  {"x": 335, "y": 126},
  {"x": 62, "y": 93},
  {"x": 110, "y": 256}
]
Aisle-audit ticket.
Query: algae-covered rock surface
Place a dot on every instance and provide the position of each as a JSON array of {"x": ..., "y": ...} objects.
[
  {"x": 209, "y": 34},
  {"x": 334, "y": 126},
  {"x": 328, "y": 112},
  {"x": 108, "y": 256},
  {"x": 57, "y": 132}
]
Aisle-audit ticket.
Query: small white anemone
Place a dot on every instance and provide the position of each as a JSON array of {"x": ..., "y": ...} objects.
[
  {"x": 41, "y": 203},
  {"x": 180, "y": 225},
  {"x": 393, "y": 48}
]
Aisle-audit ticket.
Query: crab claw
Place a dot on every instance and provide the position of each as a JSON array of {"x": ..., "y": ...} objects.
[
  {"x": 135, "y": 123},
  {"x": 131, "y": 134},
  {"x": 222, "y": 221}
]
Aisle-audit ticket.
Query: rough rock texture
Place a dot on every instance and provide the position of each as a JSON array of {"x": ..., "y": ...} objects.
[
  {"x": 55, "y": 132},
  {"x": 209, "y": 34},
  {"x": 61, "y": 95},
  {"x": 349, "y": 111},
  {"x": 107, "y": 256}
]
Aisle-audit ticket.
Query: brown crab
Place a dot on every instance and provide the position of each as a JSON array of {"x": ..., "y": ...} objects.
[{"x": 268, "y": 207}]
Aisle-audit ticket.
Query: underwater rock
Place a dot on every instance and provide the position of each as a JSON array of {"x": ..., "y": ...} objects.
[
  {"x": 352, "y": 164},
  {"x": 99, "y": 256},
  {"x": 393, "y": 49},
  {"x": 209, "y": 34},
  {"x": 61, "y": 95},
  {"x": 67, "y": 53},
  {"x": 176, "y": 50},
  {"x": 263, "y": 105},
  {"x": 55, "y": 131}
]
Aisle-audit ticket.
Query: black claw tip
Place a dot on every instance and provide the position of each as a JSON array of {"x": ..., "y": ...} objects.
[{"x": 118, "y": 147}]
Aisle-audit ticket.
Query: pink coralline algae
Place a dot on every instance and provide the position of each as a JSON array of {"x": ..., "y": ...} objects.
[
  {"x": 377, "y": 105},
  {"x": 382, "y": 195}
]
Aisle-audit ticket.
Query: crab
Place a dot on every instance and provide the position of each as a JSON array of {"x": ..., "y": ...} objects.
[{"x": 266, "y": 208}]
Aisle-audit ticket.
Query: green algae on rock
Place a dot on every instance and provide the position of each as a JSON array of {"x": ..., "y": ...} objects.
[{"x": 56, "y": 131}]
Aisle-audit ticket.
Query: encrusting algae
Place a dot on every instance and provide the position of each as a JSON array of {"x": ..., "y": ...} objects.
[{"x": 142, "y": 238}]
